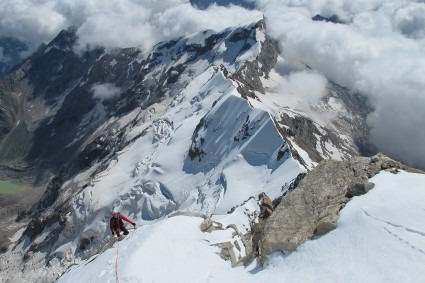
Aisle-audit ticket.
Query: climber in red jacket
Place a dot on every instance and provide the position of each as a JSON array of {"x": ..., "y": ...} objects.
[{"x": 116, "y": 225}]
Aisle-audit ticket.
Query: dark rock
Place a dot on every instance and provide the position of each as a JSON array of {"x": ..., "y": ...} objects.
[
  {"x": 85, "y": 242},
  {"x": 248, "y": 77},
  {"x": 202, "y": 4},
  {"x": 287, "y": 189},
  {"x": 266, "y": 206},
  {"x": 333, "y": 19},
  {"x": 304, "y": 132}
]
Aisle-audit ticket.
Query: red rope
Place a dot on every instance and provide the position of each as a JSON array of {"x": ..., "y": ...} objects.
[{"x": 116, "y": 263}]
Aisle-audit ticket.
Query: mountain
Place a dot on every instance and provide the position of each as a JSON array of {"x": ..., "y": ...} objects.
[
  {"x": 12, "y": 52},
  {"x": 196, "y": 126},
  {"x": 379, "y": 238},
  {"x": 333, "y": 19},
  {"x": 202, "y": 4}
]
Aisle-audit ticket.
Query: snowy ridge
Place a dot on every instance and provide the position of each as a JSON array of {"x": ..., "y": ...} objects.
[
  {"x": 194, "y": 142},
  {"x": 154, "y": 174},
  {"x": 142, "y": 181},
  {"x": 334, "y": 117},
  {"x": 379, "y": 238},
  {"x": 232, "y": 47}
]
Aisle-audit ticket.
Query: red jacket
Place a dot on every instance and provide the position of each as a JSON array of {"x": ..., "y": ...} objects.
[{"x": 117, "y": 222}]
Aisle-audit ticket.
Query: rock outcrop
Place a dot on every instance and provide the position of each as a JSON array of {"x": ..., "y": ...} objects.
[
  {"x": 238, "y": 249},
  {"x": 313, "y": 207}
]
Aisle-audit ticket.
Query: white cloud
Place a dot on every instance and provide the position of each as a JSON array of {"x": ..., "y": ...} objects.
[
  {"x": 105, "y": 91},
  {"x": 410, "y": 20},
  {"x": 302, "y": 89},
  {"x": 124, "y": 23},
  {"x": 378, "y": 52},
  {"x": 144, "y": 25},
  {"x": 396, "y": 87},
  {"x": 30, "y": 20}
]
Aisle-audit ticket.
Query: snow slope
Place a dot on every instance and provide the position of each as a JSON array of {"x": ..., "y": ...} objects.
[
  {"x": 200, "y": 148},
  {"x": 380, "y": 237},
  {"x": 155, "y": 176}
]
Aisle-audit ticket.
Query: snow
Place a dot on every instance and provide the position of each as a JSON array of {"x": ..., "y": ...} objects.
[
  {"x": 154, "y": 176},
  {"x": 17, "y": 235},
  {"x": 260, "y": 36},
  {"x": 333, "y": 151},
  {"x": 243, "y": 185},
  {"x": 304, "y": 155},
  {"x": 249, "y": 55},
  {"x": 337, "y": 104},
  {"x": 113, "y": 62},
  {"x": 380, "y": 237},
  {"x": 49, "y": 48}
]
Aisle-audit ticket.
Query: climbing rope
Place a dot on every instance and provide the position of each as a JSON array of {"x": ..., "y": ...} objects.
[
  {"x": 116, "y": 263},
  {"x": 116, "y": 260}
]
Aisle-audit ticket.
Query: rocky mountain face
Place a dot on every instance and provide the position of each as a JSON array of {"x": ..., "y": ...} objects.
[
  {"x": 151, "y": 134},
  {"x": 333, "y": 19},
  {"x": 313, "y": 207},
  {"x": 205, "y": 4},
  {"x": 309, "y": 208},
  {"x": 50, "y": 105}
]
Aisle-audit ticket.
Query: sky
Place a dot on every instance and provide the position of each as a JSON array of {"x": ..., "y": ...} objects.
[{"x": 379, "y": 51}]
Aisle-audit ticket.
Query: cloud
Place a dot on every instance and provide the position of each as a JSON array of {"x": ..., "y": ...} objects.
[
  {"x": 410, "y": 20},
  {"x": 105, "y": 91},
  {"x": 30, "y": 20},
  {"x": 396, "y": 87},
  {"x": 301, "y": 89},
  {"x": 379, "y": 52},
  {"x": 124, "y": 23},
  {"x": 144, "y": 25},
  {"x": 202, "y": 4}
]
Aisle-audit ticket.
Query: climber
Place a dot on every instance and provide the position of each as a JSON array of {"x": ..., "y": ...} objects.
[
  {"x": 116, "y": 224},
  {"x": 266, "y": 206}
]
